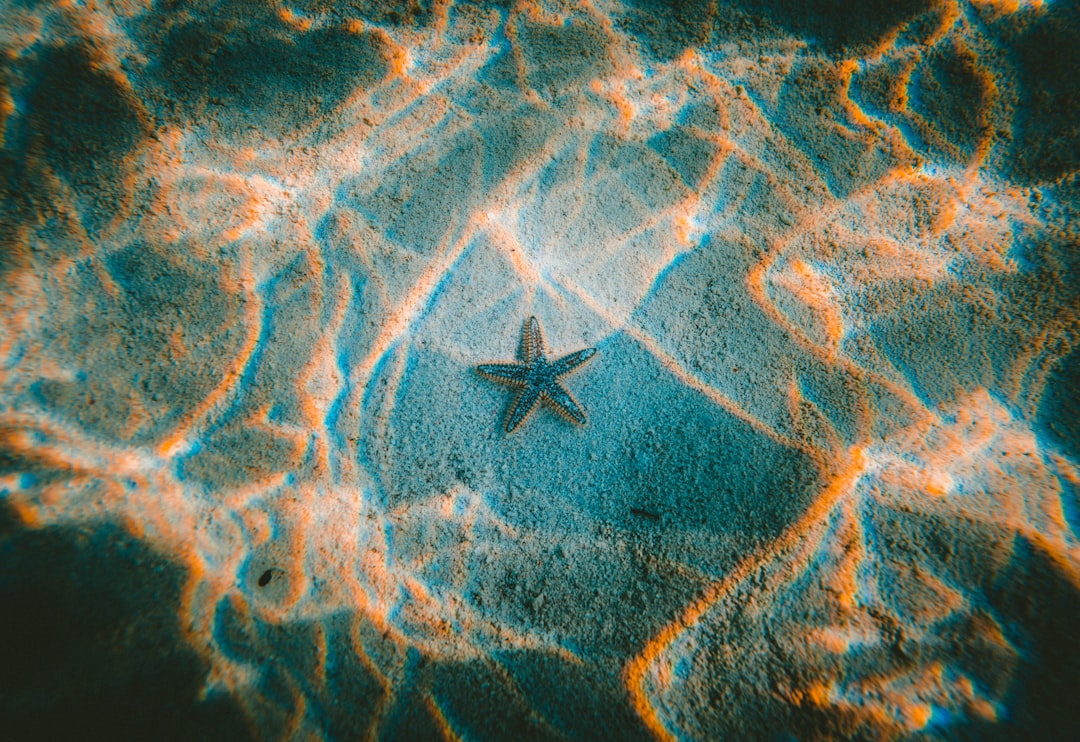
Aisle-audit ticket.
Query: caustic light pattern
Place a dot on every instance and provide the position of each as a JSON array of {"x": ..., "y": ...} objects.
[{"x": 250, "y": 482}]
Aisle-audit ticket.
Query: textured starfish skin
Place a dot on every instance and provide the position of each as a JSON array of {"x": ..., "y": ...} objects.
[{"x": 538, "y": 378}]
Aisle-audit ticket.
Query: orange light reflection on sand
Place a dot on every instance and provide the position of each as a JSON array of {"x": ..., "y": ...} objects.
[
  {"x": 402, "y": 607},
  {"x": 850, "y": 469},
  {"x": 252, "y": 323}
]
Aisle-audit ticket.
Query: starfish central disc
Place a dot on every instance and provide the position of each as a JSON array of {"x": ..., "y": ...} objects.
[{"x": 537, "y": 378}]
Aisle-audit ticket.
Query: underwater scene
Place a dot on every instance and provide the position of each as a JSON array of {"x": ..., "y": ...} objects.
[{"x": 540, "y": 370}]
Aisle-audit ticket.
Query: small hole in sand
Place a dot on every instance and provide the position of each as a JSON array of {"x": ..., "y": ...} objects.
[{"x": 265, "y": 577}]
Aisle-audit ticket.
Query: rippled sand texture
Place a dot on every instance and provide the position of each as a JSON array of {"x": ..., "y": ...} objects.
[{"x": 250, "y": 482}]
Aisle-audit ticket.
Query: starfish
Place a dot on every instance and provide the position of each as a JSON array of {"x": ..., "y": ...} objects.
[{"x": 538, "y": 378}]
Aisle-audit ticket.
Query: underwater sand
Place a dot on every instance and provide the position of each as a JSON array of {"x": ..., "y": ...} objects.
[{"x": 252, "y": 486}]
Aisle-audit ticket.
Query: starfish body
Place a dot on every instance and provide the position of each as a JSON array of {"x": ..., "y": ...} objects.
[{"x": 538, "y": 378}]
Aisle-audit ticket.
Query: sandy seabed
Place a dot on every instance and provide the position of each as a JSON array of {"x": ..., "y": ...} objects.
[{"x": 252, "y": 486}]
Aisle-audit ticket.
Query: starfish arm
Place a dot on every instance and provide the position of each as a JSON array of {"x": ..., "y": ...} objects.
[
  {"x": 523, "y": 405},
  {"x": 532, "y": 340},
  {"x": 507, "y": 373},
  {"x": 569, "y": 362},
  {"x": 564, "y": 404}
]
